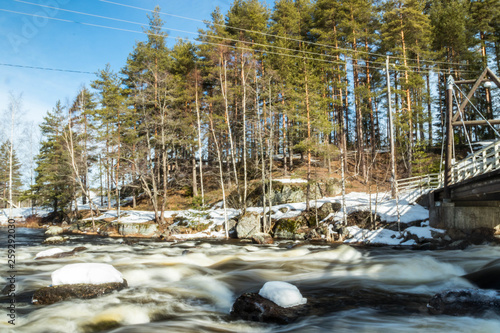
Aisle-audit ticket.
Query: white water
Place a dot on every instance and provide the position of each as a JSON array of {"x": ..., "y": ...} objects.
[{"x": 193, "y": 292}]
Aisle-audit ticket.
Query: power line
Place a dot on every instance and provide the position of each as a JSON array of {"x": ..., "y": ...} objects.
[
  {"x": 274, "y": 35},
  {"x": 47, "y": 69},
  {"x": 211, "y": 43},
  {"x": 173, "y": 29}
]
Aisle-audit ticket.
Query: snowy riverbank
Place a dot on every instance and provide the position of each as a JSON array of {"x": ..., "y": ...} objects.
[{"x": 412, "y": 218}]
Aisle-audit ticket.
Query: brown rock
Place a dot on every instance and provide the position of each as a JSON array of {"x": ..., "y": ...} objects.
[
  {"x": 262, "y": 238},
  {"x": 252, "y": 306},
  {"x": 51, "y": 295}
]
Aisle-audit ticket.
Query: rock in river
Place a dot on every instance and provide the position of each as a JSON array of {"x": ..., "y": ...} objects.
[
  {"x": 84, "y": 280},
  {"x": 488, "y": 277},
  {"x": 50, "y": 295},
  {"x": 252, "y": 306},
  {"x": 468, "y": 302},
  {"x": 58, "y": 253},
  {"x": 55, "y": 240}
]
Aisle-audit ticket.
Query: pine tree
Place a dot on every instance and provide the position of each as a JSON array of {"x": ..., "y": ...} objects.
[{"x": 54, "y": 186}]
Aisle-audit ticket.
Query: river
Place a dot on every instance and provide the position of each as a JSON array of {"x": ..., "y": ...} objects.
[{"x": 190, "y": 286}]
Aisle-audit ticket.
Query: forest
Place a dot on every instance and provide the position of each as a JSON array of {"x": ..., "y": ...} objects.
[{"x": 262, "y": 91}]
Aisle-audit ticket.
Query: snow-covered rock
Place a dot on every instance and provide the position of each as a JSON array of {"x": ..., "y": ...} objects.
[
  {"x": 284, "y": 294},
  {"x": 48, "y": 253},
  {"x": 88, "y": 273},
  {"x": 55, "y": 240},
  {"x": 54, "y": 230}
]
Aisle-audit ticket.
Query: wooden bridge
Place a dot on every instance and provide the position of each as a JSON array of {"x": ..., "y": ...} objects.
[{"x": 466, "y": 195}]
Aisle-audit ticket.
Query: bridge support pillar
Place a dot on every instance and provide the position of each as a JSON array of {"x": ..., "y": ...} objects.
[{"x": 464, "y": 215}]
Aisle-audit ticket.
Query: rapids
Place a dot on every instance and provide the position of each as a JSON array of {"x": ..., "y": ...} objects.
[{"x": 190, "y": 286}]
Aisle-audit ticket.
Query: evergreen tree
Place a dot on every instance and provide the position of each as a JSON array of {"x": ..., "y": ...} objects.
[{"x": 54, "y": 185}]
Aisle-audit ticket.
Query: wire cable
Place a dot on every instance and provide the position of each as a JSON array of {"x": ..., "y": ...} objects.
[
  {"x": 206, "y": 42},
  {"x": 366, "y": 61},
  {"x": 271, "y": 35},
  {"x": 47, "y": 69}
]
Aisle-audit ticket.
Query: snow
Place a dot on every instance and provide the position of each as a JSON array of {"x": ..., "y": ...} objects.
[
  {"x": 423, "y": 233},
  {"x": 290, "y": 180},
  {"x": 284, "y": 294},
  {"x": 88, "y": 273},
  {"x": 21, "y": 213},
  {"x": 379, "y": 236},
  {"x": 48, "y": 253}
]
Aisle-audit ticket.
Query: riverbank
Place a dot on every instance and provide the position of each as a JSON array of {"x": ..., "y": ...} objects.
[{"x": 363, "y": 218}]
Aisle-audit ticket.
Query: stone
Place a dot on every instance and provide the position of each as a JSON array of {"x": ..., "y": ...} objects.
[
  {"x": 248, "y": 225},
  {"x": 284, "y": 210},
  {"x": 333, "y": 187},
  {"x": 54, "y": 231},
  {"x": 54, "y": 294},
  {"x": 488, "y": 277},
  {"x": 456, "y": 234},
  {"x": 231, "y": 224},
  {"x": 253, "y": 307},
  {"x": 262, "y": 238},
  {"x": 328, "y": 208},
  {"x": 142, "y": 229},
  {"x": 55, "y": 240},
  {"x": 480, "y": 235},
  {"x": 64, "y": 254},
  {"x": 290, "y": 228},
  {"x": 457, "y": 245},
  {"x": 363, "y": 219},
  {"x": 468, "y": 302}
]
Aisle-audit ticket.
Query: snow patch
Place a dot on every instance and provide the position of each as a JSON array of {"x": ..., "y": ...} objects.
[
  {"x": 284, "y": 294},
  {"x": 88, "y": 273},
  {"x": 290, "y": 181}
]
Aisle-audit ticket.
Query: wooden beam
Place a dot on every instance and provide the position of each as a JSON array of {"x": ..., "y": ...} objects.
[
  {"x": 468, "y": 81},
  {"x": 493, "y": 77},
  {"x": 470, "y": 94},
  {"x": 476, "y": 122}
]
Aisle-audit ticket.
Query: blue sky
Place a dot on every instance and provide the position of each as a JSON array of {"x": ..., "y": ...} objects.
[{"x": 29, "y": 40}]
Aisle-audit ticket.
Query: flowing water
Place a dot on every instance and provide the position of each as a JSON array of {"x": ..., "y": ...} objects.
[{"x": 190, "y": 286}]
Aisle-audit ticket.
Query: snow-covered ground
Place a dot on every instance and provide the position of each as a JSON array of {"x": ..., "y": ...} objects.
[
  {"x": 388, "y": 209},
  {"x": 21, "y": 213}
]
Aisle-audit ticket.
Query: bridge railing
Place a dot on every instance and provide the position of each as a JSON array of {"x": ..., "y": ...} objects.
[
  {"x": 420, "y": 183},
  {"x": 482, "y": 161}
]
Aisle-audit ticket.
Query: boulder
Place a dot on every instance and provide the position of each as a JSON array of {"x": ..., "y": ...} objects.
[
  {"x": 248, "y": 225},
  {"x": 54, "y": 230},
  {"x": 262, "y": 238},
  {"x": 252, "y": 306},
  {"x": 327, "y": 208},
  {"x": 332, "y": 187},
  {"x": 290, "y": 228},
  {"x": 55, "y": 240},
  {"x": 281, "y": 193},
  {"x": 141, "y": 229},
  {"x": 53, "y": 294},
  {"x": 488, "y": 277},
  {"x": 468, "y": 302}
]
